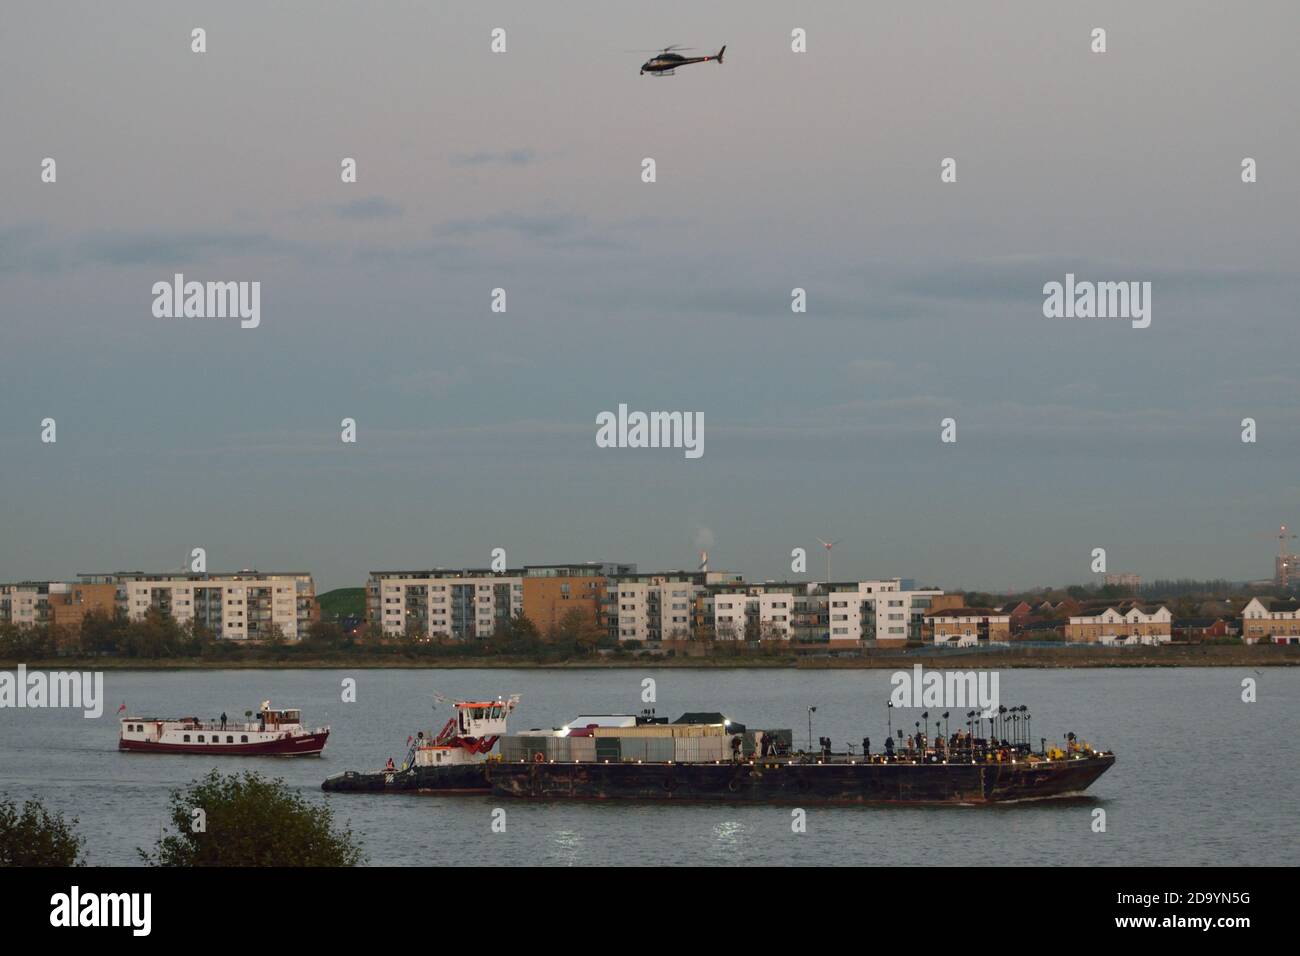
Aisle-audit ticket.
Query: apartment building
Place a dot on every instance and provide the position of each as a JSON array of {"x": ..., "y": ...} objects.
[
  {"x": 245, "y": 605},
  {"x": 1271, "y": 621},
  {"x": 879, "y": 611},
  {"x": 70, "y": 603},
  {"x": 846, "y": 614},
  {"x": 54, "y": 603},
  {"x": 1123, "y": 624},
  {"x": 553, "y": 591},
  {"x": 764, "y": 612},
  {"x": 967, "y": 626},
  {"x": 444, "y": 605},
  {"x": 663, "y": 606},
  {"x": 26, "y": 603}
]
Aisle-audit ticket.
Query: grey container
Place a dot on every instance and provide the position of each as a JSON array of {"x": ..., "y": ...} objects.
[{"x": 608, "y": 748}]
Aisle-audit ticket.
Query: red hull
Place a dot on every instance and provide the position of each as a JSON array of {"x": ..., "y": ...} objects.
[{"x": 305, "y": 745}]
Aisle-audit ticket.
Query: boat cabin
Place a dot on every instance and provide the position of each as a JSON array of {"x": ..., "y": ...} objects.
[{"x": 483, "y": 718}]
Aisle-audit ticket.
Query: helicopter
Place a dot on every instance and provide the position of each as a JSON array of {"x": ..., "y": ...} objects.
[{"x": 667, "y": 60}]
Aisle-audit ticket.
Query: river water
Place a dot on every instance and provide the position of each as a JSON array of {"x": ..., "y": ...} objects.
[{"x": 1201, "y": 777}]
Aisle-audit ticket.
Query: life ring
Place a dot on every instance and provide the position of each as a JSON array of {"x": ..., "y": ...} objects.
[{"x": 539, "y": 757}]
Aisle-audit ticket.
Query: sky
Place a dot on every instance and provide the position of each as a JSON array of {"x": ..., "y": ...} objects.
[{"x": 775, "y": 170}]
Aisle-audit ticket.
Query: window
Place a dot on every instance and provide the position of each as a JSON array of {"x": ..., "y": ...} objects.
[
  {"x": 186, "y": 738},
  {"x": 230, "y": 739},
  {"x": 200, "y": 738},
  {"x": 243, "y": 738}
]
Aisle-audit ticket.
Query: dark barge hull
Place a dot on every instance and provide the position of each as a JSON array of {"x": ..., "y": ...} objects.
[
  {"x": 467, "y": 779},
  {"x": 794, "y": 783}
]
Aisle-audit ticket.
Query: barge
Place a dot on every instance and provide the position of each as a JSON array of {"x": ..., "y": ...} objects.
[{"x": 706, "y": 757}]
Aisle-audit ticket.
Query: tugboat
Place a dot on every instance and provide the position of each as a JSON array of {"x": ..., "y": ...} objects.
[
  {"x": 452, "y": 761},
  {"x": 271, "y": 732}
]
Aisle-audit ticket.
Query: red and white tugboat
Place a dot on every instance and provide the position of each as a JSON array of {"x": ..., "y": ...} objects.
[
  {"x": 271, "y": 732},
  {"x": 454, "y": 760}
]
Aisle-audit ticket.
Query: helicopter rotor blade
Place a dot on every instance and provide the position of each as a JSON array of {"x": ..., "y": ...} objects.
[{"x": 664, "y": 49}]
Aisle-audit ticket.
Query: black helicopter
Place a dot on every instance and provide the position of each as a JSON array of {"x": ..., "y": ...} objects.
[{"x": 665, "y": 61}]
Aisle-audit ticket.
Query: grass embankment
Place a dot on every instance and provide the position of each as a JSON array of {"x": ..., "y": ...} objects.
[
  {"x": 342, "y": 602},
  {"x": 1195, "y": 655}
]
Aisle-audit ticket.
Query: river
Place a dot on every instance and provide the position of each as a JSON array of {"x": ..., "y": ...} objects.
[{"x": 1201, "y": 777}]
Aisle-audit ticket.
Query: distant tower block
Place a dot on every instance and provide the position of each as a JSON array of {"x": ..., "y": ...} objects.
[
  {"x": 1286, "y": 566},
  {"x": 1130, "y": 581}
]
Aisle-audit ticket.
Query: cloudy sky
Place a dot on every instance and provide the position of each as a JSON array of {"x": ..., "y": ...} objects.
[{"x": 775, "y": 170}]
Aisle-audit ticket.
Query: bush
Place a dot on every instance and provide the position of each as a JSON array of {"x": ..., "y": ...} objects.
[
  {"x": 250, "y": 821},
  {"x": 35, "y": 837}
]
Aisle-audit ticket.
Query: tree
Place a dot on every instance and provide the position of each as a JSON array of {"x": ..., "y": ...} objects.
[
  {"x": 273, "y": 635},
  {"x": 576, "y": 632},
  {"x": 248, "y": 820},
  {"x": 36, "y": 837}
]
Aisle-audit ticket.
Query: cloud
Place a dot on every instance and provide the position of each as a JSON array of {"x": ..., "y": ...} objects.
[
  {"x": 528, "y": 225},
  {"x": 371, "y": 207},
  {"x": 437, "y": 382},
  {"x": 509, "y": 157},
  {"x": 28, "y": 248},
  {"x": 1020, "y": 278}
]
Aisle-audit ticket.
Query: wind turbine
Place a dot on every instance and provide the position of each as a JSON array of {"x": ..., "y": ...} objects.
[{"x": 828, "y": 545}]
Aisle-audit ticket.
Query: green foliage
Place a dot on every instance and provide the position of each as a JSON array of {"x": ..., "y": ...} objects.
[
  {"x": 342, "y": 602},
  {"x": 250, "y": 821},
  {"x": 33, "y": 836}
]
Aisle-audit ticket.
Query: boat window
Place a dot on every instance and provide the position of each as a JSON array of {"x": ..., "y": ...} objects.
[
  {"x": 187, "y": 738},
  {"x": 200, "y": 738},
  {"x": 243, "y": 738},
  {"x": 229, "y": 739}
]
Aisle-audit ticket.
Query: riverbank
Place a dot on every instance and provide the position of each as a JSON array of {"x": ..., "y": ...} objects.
[{"x": 1066, "y": 656}]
